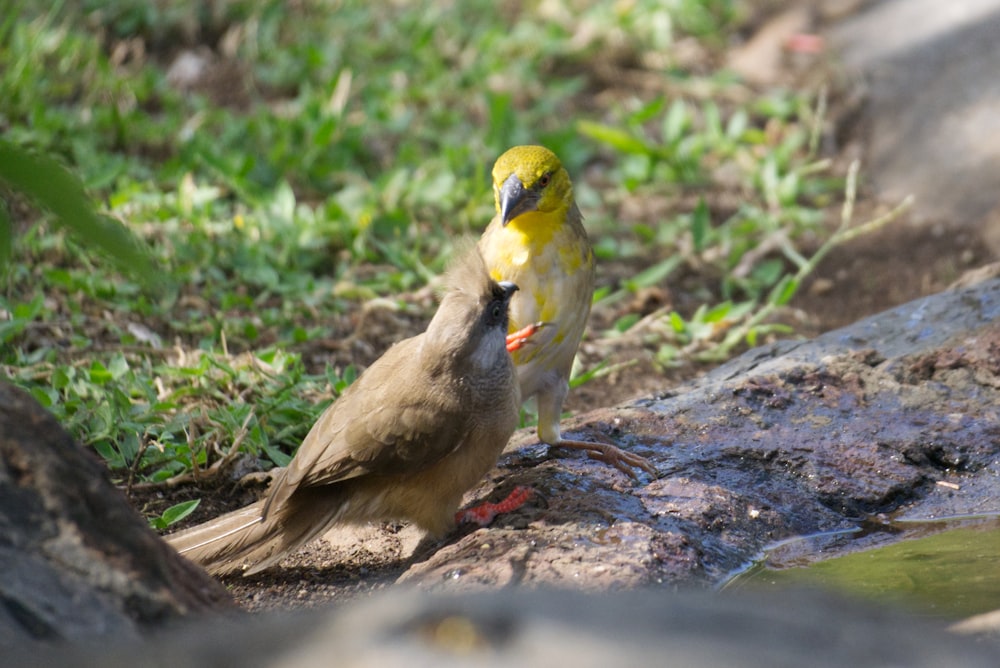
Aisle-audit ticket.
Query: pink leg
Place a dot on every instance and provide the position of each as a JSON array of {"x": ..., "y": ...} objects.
[
  {"x": 484, "y": 513},
  {"x": 517, "y": 340}
]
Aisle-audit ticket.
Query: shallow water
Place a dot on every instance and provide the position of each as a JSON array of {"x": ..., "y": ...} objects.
[{"x": 946, "y": 569}]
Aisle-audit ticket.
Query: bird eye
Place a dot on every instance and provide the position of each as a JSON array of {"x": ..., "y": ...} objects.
[
  {"x": 497, "y": 311},
  {"x": 544, "y": 181}
]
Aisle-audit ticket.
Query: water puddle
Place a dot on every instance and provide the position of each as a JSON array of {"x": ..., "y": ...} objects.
[{"x": 943, "y": 568}]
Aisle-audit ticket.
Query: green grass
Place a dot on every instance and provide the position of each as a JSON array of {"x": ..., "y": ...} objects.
[{"x": 350, "y": 148}]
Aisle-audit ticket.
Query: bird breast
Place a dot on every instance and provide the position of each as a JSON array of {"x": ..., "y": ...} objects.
[{"x": 489, "y": 355}]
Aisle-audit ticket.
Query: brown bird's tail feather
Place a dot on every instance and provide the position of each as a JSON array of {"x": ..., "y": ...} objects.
[{"x": 243, "y": 541}]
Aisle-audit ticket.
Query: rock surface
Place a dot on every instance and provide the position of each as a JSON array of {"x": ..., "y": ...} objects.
[
  {"x": 77, "y": 562},
  {"x": 899, "y": 413}
]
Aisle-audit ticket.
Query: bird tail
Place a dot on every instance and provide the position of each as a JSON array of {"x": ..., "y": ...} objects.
[
  {"x": 219, "y": 544},
  {"x": 243, "y": 540}
]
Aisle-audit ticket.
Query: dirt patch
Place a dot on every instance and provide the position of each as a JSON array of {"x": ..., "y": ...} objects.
[{"x": 882, "y": 270}]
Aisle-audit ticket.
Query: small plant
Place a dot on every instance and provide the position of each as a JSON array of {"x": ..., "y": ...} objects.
[
  {"x": 761, "y": 158},
  {"x": 186, "y": 416},
  {"x": 712, "y": 334},
  {"x": 174, "y": 514}
]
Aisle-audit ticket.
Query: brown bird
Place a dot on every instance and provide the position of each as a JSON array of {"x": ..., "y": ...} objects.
[
  {"x": 537, "y": 240},
  {"x": 417, "y": 430}
]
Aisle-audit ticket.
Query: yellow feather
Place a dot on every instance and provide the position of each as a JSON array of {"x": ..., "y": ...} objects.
[
  {"x": 545, "y": 251},
  {"x": 537, "y": 241}
]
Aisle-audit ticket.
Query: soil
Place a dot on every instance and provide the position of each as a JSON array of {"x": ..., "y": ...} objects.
[{"x": 866, "y": 276}]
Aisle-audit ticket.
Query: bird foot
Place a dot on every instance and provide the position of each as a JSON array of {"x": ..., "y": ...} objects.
[
  {"x": 517, "y": 340},
  {"x": 484, "y": 513},
  {"x": 626, "y": 462}
]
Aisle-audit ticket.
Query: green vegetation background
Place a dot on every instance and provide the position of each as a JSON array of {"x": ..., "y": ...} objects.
[{"x": 325, "y": 158}]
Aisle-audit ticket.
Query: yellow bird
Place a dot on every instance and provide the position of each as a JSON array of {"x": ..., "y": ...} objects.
[{"x": 537, "y": 241}]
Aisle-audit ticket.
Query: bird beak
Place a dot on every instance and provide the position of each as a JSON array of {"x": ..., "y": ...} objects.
[
  {"x": 515, "y": 199},
  {"x": 508, "y": 289}
]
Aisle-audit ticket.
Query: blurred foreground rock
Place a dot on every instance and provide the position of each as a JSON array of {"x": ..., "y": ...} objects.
[
  {"x": 77, "y": 562},
  {"x": 553, "y": 628}
]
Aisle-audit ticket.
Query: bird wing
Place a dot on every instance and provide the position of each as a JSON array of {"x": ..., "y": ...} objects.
[{"x": 392, "y": 420}]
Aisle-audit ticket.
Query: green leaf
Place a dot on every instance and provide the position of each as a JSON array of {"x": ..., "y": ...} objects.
[
  {"x": 788, "y": 188},
  {"x": 625, "y": 322},
  {"x": 588, "y": 375},
  {"x": 737, "y": 124},
  {"x": 62, "y": 377},
  {"x": 347, "y": 376},
  {"x": 768, "y": 272},
  {"x": 99, "y": 373},
  {"x": 700, "y": 222},
  {"x": 54, "y": 188},
  {"x": 784, "y": 291},
  {"x": 717, "y": 313},
  {"x": 600, "y": 293},
  {"x": 613, "y": 137},
  {"x": 44, "y": 395},
  {"x": 648, "y": 111},
  {"x": 655, "y": 274},
  {"x": 275, "y": 454},
  {"x": 118, "y": 366},
  {"x": 676, "y": 122},
  {"x": 111, "y": 456},
  {"x": 712, "y": 120},
  {"x": 129, "y": 447},
  {"x": 174, "y": 514},
  {"x": 21, "y": 315},
  {"x": 667, "y": 353}
]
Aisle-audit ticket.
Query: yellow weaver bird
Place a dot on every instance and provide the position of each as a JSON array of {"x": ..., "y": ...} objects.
[{"x": 537, "y": 241}]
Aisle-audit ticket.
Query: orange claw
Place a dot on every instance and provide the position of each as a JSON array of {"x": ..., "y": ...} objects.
[
  {"x": 484, "y": 513},
  {"x": 517, "y": 340}
]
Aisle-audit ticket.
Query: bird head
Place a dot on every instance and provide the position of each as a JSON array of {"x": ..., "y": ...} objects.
[
  {"x": 530, "y": 178},
  {"x": 472, "y": 320}
]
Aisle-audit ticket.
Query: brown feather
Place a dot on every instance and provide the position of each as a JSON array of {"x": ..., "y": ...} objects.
[{"x": 416, "y": 430}]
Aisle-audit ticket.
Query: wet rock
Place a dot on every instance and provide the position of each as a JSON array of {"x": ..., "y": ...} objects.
[
  {"x": 897, "y": 414},
  {"x": 76, "y": 561}
]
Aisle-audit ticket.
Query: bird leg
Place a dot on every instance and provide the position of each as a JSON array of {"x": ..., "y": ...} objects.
[
  {"x": 550, "y": 402},
  {"x": 484, "y": 513},
  {"x": 626, "y": 462},
  {"x": 517, "y": 340}
]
